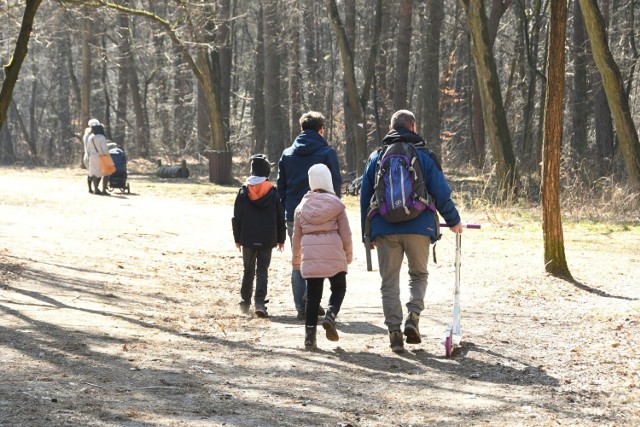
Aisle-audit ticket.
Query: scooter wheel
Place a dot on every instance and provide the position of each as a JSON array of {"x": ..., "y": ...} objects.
[{"x": 447, "y": 346}]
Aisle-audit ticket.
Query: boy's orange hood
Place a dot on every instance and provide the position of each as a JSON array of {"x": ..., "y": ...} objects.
[{"x": 258, "y": 191}]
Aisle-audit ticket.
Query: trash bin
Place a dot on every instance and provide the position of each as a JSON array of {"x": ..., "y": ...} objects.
[{"x": 220, "y": 163}]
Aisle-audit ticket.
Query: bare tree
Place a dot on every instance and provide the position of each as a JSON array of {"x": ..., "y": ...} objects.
[
  {"x": 402, "y": 56},
  {"x": 429, "y": 96},
  {"x": 495, "y": 118},
  {"x": 357, "y": 101},
  {"x": 554, "y": 256},
  {"x": 12, "y": 69},
  {"x": 614, "y": 88}
]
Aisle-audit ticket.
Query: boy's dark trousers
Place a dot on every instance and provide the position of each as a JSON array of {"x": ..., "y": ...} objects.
[
  {"x": 256, "y": 264},
  {"x": 314, "y": 295}
]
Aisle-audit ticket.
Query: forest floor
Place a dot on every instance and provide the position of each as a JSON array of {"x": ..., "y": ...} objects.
[{"x": 122, "y": 311}]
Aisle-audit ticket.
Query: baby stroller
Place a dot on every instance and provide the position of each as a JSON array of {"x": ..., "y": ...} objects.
[{"x": 119, "y": 178}]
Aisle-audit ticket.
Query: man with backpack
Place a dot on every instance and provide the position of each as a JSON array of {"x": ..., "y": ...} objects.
[{"x": 402, "y": 188}]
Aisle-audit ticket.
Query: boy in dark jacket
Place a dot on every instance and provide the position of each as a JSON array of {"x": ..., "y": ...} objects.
[{"x": 258, "y": 226}]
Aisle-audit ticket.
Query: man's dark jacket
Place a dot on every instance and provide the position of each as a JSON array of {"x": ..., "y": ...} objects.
[{"x": 308, "y": 149}]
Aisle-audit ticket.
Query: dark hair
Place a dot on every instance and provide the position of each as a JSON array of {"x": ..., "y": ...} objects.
[
  {"x": 312, "y": 120},
  {"x": 402, "y": 119},
  {"x": 260, "y": 165},
  {"x": 97, "y": 130}
]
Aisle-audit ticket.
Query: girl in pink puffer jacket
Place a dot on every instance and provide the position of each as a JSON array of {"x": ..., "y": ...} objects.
[{"x": 322, "y": 248}]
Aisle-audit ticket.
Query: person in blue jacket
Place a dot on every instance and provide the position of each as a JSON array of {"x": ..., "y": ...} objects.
[
  {"x": 307, "y": 149},
  {"x": 411, "y": 238}
]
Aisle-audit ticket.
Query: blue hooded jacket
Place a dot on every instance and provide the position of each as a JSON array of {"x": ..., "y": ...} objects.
[
  {"x": 308, "y": 149},
  {"x": 435, "y": 181}
]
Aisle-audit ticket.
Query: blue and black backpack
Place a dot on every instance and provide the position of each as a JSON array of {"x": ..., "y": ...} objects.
[{"x": 400, "y": 193}]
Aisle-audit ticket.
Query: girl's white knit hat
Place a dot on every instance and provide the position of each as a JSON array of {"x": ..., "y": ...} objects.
[{"x": 320, "y": 178}]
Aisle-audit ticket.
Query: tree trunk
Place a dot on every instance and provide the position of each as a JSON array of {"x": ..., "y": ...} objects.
[
  {"x": 350, "y": 126},
  {"x": 183, "y": 112},
  {"x": 295, "y": 83},
  {"x": 532, "y": 37},
  {"x": 495, "y": 118},
  {"x": 85, "y": 77},
  {"x": 259, "y": 136},
  {"x": 579, "y": 94},
  {"x": 140, "y": 134},
  {"x": 12, "y": 69},
  {"x": 124, "y": 49},
  {"x": 224, "y": 47},
  {"x": 356, "y": 103},
  {"x": 498, "y": 8},
  {"x": 430, "y": 106},
  {"x": 402, "y": 56},
  {"x": 276, "y": 115},
  {"x": 614, "y": 88},
  {"x": 554, "y": 256},
  {"x": 605, "y": 141},
  {"x": 63, "y": 98}
]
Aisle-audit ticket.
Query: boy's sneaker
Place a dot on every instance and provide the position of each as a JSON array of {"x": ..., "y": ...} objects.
[
  {"x": 244, "y": 306},
  {"x": 397, "y": 341},
  {"x": 329, "y": 325},
  {"x": 411, "y": 328}
]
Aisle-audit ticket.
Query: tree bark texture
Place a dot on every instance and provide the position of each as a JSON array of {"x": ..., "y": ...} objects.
[
  {"x": 554, "y": 256},
  {"x": 351, "y": 85},
  {"x": 259, "y": 136},
  {"x": 614, "y": 89},
  {"x": 350, "y": 123},
  {"x": 295, "y": 84},
  {"x": 579, "y": 98},
  {"x": 85, "y": 75},
  {"x": 495, "y": 118},
  {"x": 402, "y": 56},
  {"x": 12, "y": 69},
  {"x": 430, "y": 93},
  {"x": 276, "y": 116},
  {"x": 120, "y": 125}
]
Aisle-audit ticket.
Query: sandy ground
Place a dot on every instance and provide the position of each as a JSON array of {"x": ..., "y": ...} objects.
[{"x": 122, "y": 311}]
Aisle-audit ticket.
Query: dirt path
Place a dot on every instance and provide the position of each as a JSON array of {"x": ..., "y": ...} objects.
[{"x": 123, "y": 311}]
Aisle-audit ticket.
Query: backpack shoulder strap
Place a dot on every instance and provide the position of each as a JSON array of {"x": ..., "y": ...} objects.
[{"x": 432, "y": 155}]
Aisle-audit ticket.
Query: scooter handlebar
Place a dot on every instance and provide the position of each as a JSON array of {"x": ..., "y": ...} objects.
[{"x": 472, "y": 226}]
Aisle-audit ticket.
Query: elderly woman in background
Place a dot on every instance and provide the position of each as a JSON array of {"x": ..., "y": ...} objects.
[{"x": 95, "y": 145}]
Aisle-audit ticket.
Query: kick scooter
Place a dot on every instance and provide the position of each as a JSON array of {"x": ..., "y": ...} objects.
[{"x": 453, "y": 334}]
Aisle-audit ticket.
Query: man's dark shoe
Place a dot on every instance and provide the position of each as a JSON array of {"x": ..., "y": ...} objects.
[
  {"x": 261, "y": 310},
  {"x": 329, "y": 325},
  {"x": 244, "y": 306},
  {"x": 397, "y": 341},
  {"x": 321, "y": 311},
  {"x": 411, "y": 328}
]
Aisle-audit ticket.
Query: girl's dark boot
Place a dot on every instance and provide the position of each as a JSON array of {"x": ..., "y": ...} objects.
[
  {"x": 310, "y": 338},
  {"x": 89, "y": 184}
]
